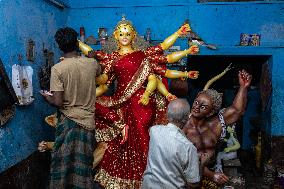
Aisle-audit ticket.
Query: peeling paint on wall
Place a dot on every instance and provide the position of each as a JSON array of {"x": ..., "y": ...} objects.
[
  {"x": 20, "y": 21},
  {"x": 274, "y": 32}
]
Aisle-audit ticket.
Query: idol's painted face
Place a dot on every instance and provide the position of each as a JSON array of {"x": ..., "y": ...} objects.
[
  {"x": 202, "y": 106},
  {"x": 124, "y": 34}
]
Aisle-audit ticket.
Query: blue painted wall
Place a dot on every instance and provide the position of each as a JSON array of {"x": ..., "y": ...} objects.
[
  {"x": 21, "y": 20},
  {"x": 217, "y": 23}
]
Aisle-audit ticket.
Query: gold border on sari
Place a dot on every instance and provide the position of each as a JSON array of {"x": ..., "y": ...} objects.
[
  {"x": 136, "y": 82},
  {"x": 110, "y": 182},
  {"x": 111, "y": 132},
  {"x": 108, "y": 134}
]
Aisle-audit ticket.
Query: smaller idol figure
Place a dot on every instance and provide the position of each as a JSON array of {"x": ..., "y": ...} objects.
[{"x": 230, "y": 152}]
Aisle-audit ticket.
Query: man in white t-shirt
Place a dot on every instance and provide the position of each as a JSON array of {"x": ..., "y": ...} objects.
[{"x": 173, "y": 162}]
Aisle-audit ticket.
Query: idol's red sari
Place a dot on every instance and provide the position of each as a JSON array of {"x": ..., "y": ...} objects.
[{"x": 123, "y": 165}]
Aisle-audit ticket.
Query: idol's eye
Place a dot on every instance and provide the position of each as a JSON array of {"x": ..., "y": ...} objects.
[
  {"x": 128, "y": 34},
  {"x": 120, "y": 34},
  {"x": 195, "y": 102},
  {"x": 203, "y": 107}
]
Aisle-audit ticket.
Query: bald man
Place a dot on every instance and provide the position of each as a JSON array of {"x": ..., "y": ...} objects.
[{"x": 173, "y": 161}]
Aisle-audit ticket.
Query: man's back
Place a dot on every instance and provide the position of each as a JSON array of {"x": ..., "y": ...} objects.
[
  {"x": 172, "y": 160},
  {"x": 76, "y": 77}
]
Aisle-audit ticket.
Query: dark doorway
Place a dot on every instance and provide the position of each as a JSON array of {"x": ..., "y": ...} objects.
[
  {"x": 259, "y": 93},
  {"x": 257, "y": 118},
  {"x": 209, "y": 66}
]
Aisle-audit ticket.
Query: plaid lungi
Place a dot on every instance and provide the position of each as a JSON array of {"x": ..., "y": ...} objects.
[{"x": 72, "y": 156}]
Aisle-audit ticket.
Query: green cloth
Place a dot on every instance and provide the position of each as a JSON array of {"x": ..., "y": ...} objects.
[{"x": 72, "y": 156}]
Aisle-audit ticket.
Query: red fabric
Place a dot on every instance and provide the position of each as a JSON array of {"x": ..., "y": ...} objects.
[{"x": 127, "y": 161}]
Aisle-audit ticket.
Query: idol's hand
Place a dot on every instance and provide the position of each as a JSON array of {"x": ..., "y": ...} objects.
[
  {"x": 124, "y": 134},
  {"x": 171, "y": 97},
  {"x": 86, "y": 49},
  {"x": 227, "y": 150},
  {"x": 184, "y": 30},
  {"x": 244, "y": 79},
  {"x": 144, "y": 100},
  {"x": 194, "y": 49},
  {"x": 193, "y": 74}
]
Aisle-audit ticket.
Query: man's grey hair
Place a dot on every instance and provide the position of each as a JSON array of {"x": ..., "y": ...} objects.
[{"x": 178, "y": 110}]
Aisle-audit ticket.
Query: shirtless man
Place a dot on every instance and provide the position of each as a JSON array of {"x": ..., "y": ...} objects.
[{"x": 204, "y": 127}]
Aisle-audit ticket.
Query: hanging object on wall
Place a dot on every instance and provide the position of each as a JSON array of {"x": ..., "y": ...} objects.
[
  {"x": 7, "y": 114},
  {"x": 30, "y": 51},
  {"x": 7, "y": 97},
  {"x": 102, "y": 34},
  {"x": 22, "y": 82},
  {"x": 249, "y": 39},
  {"x": 194, "y": 39},
  {"x": 254, "y": 40},
  {"x": 244, "y": 39},
  {"x": 91, "y": 40},
  {"x": 148, "y": 34},
  {"x": 45, "y": 70},
  {"x": 7, "y": 94},
  {"x": 82, "y": 34}
]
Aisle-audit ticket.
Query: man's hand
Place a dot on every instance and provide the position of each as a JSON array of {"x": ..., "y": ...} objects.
[
  {"x": 220, "y": 178},
  {"x": 45, "y": 94},
  {"x": 54, "y": 98},
  {"x": 244, "y": 79},
  {"x": 44, "y": 146}
]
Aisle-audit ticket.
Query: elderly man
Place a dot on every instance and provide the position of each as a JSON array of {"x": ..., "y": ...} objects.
[{"x": 173, "y": 161}]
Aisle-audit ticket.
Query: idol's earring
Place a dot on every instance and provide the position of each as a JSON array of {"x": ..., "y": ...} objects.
[
  {"x": 133, "y": 41},
  {"x": 118, "y": 47}
]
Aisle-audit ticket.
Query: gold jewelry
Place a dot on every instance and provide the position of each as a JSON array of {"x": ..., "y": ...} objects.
[
  {"x": 186, "y": 74},
  {"x": 119, "y": 124}
]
